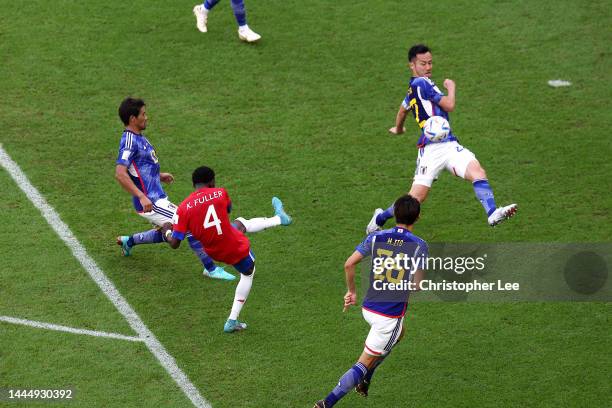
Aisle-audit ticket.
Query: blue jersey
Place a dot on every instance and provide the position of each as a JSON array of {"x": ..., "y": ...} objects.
[
  {"x": 423, "y": 98},
  {"x": 398, "y": 244},
  {"x": 138, "y": 155}
]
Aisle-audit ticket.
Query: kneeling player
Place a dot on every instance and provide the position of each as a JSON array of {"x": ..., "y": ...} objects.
[
  {"x": 205, "y": 215},
  {"x": 382, "y": 308}
]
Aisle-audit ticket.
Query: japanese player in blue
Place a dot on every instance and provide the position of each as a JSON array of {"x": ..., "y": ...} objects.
[
  {"x": 137, "y": 170},
  {"x": 386, "y": 300},
  {"x": 425, "y": 99},
  {"x": 201, "y": 12}
]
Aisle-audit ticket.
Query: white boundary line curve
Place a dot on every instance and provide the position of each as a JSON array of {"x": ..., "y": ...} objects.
[{"x": 105, "y": 284}]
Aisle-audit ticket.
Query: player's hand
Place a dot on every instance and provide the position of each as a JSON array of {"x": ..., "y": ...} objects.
[
  {"x": 349, "y": 299},
  {"x": 165, "y": 228},
  {"x": 147, "y": 205},
  {"x": 166, "y": 178},
  {"x": 449, "y": 84},
  {"x": 397, "y": 131}
]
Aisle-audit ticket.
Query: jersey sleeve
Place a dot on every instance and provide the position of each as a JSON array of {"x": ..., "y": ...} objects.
[
  {"x": 426, "y": 90},
  {"x": 179, "y": 224},
  {"x": 406, "y": 102},
  {"x": 365, "y": 247},
  {"x": 127, "y": 150}
]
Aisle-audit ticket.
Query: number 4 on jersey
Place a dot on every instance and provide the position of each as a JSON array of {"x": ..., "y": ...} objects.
[{"x": 211, "y": 219}]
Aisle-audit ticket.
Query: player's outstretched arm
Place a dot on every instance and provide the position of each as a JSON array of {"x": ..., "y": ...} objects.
[
  {"x": 400, "y": 118},
  {"x": 124, "y": 180},
  {"x": 448, "y": 101},
  {"x": 350, "y": 298}
]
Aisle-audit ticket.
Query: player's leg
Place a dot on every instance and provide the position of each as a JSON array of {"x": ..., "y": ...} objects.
[
  {"x": 464, "y": 164},
  {"x": 244, "y": 32},
  {"x": 364, "y": 385},
  {"x": 153, "y": 236},
  {"x": 259, "y": 224},
  {"x": 384, "y": 333},
  {"x": 201, "y": 13},
  {"x": 348, "y": 381},
  {"x": 246, "y": 267},
  {"x": 211, "y": 270},
  {"x": 430, "y": 162}
]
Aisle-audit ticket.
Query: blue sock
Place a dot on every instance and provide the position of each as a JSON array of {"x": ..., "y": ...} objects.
[
  {"x": 239, "y": 11},
  {"x": 209, "y": 4},
  {"x": 384, "y": 216},
  {"x": 153, "y": 236},
  {"x": 484, "y": 194},
  {"x": 347, "y": 382},
  {"x": 198, "y": 249}
]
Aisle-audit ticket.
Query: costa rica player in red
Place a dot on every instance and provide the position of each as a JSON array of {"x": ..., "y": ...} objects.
[{"x": 205, "y": 214}]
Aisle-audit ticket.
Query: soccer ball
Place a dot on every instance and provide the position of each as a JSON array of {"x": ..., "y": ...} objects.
[{"x": 436, "y": 129}]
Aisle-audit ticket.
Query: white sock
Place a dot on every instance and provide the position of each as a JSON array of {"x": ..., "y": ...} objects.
[
  {"x": 260, "y": 224},
  {"x": 242, "y": 293}
]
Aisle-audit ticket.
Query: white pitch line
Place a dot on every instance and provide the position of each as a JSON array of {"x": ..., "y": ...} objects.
[
  {"x": 98, "y": 276},
  {"x": 51, "y": 326}
]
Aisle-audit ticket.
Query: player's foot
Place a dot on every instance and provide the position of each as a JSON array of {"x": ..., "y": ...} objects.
[
  {"x": 280, "y": 211},
  {"x": 248, "y": 35},
  {"x": 372, "y": 225},
  {"x": 320, "y": 404},
  {"x": 219, "y": 273},
  {"x": 362, "y": 388},
  {"x": 501, "y": 214},
  {"x": 234, "y": 325},
  {"x": 122, "y": 241},
  {"x": 201, "y": 17}
]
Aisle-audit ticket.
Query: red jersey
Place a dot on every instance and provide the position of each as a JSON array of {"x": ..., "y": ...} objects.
[{"x": 205, "y": 214}]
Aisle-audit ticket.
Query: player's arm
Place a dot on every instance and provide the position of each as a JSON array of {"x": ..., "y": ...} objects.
[
  {"x": 447, "y": 102},
  {"x": 400, "y": 118},
  {"x": 167, "y": 178},
  {"x": 124, "y": 180},
  {"x": 349, "y": 270},
  {"x": 170, "y": 239}
]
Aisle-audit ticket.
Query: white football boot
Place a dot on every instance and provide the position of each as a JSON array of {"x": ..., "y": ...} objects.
[
  {"x": 501, "y": 214},
  {"x": 372, "y": 226},
  {"x": 201, "y": 17},
  {"x": 248, "y": 35}
]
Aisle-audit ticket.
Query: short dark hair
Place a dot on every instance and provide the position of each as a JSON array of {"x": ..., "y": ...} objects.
[
  {"x": 417, "y": 49},
  {"x": 130, "y": 107},
  {"x": 202, "y": 175},
  {"x": 406, "y": 210}
]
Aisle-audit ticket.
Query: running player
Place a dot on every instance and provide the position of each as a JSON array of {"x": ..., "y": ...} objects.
[
  {"x": 244, "y": 32},
  {"x": 385, "y": 303},
  {"x": 138, "y": 172},
  {"x": 425, "y": 99},
  {"x": 204, "y": 214}
]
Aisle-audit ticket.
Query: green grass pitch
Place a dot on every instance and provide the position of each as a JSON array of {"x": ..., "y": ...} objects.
[{"x": 303, "y": 115}]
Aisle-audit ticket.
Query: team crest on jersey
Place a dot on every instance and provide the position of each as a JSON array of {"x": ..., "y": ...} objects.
[{"x": 154, "y": 156}]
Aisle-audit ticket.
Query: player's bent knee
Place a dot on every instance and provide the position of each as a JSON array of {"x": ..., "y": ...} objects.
[
  {"x": 249, "y": 272},
  {"x": 239, "y": 224}
]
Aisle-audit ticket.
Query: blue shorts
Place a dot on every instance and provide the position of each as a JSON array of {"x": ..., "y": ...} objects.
[{"x": 245, "y": 263}]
